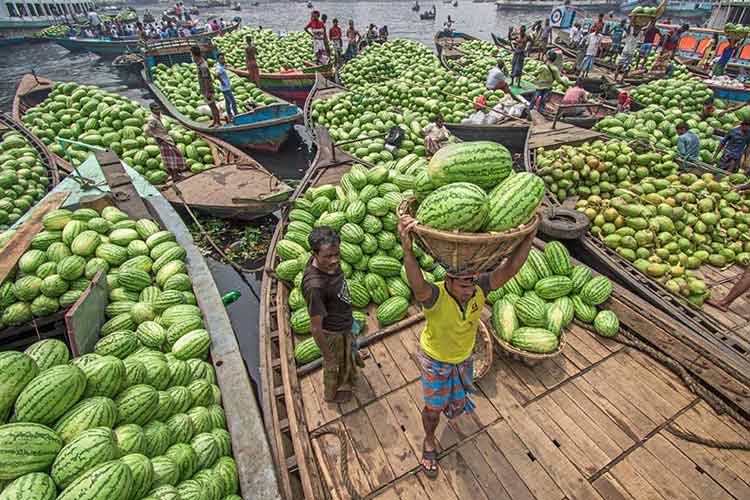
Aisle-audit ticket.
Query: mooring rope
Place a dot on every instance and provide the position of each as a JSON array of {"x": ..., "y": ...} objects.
[
  {"x": 697, "y": 388},
  {"x": 344, "y": 463}
]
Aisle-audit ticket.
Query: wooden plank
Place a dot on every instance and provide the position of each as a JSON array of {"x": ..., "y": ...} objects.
[
  {"x": 632, "y": 429},
  {"x": 19, "y": 243},
  {"x": 549, "y": 373},
  {"x": 329, "y": 455},
  {"x": 482, "y": 471},
  {"x": 313, "y": 413},
  {"x": 504, "y": 471},
  {"x": 86, "y": 316},
  {"x": 409, "y": 418},
  {"x": 634, "y": 483},
  {"x": 484, "y": 413},
  {"x": 501, "y": 373},
  {"x": 565, "y": 475},
  {"x": 374, "y": 377},
  {"x": 528, "y": 377},
  {"x": 410, "y": 488},
  {"x": 311, "y": 485},
  {"x": 328, "y": 411},
  {"x": 588, "y": 423},
  {"x": 439, "y": 487},
  {"x": 400, "y": 355},
  {"x": 609, "y": 488},
  {"x": 658, "y": 475},
  {"x": 699, "y": 483},
  {"x": 591, "y": 355},
  {"x": 461, "y": 478},
  {"x": 398, "y": 451},
  {"x": 389, "y": 493},
  {"x": 387, "y": 365},
  {"x": 570, "y": 448},
  {"x": 586, "y": 337},
  {"x": 370, "y": 453},
  {"x": 671, "y": 389},
  {"x": 525, "y": 464},
  {"x": 665, "y": 374}
]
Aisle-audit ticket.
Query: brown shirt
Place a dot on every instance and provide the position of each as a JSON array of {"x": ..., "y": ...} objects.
[
  {"x": 327, "y": 296},
  {"x": 204, "y": 79}
]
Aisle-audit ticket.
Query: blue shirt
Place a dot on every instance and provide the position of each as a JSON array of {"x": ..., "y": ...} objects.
[
  {"x": 688, "y": 145},
  {"x": 221, "y": 72},
  {"x": 735, "y": 143},
  {"x": 724, "y": 59},
  {"x": 617, "y": 32}
]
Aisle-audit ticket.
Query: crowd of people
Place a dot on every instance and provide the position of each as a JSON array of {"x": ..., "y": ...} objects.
[{"x": 328, "y": 43}]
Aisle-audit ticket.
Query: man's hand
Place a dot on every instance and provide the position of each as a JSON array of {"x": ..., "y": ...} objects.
[{"x": 406, "y": 224}]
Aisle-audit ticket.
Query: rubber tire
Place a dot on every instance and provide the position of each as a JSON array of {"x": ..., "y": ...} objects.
[{"x": 563, "y": 224}]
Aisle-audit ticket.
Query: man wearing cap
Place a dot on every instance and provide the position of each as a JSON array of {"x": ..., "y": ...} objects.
[{"x": 452, "y": 310}]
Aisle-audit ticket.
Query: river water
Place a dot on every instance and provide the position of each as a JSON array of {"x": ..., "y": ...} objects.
[{"x": 52, "y": 61}]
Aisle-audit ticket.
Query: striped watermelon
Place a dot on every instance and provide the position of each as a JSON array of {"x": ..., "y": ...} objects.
[
  {"x": 179, "y": 372},
  {"x": 137, "y": 404},
  {"x": 213, "y": 487},
  {"x": 555, "y": 320},
  {"x": 134, "y": 280},
  {"x": 119, "y": 344},
  {"x": 142, "y": 472},
  {"x": 201, "y": 419},
  {"x": 104, "y": 374},
  {"x": 27, "y": 447},
  {"x": 16, "y": 371},
  {"x": 481, "y": 162},
  {"x": 118, "y": 323},
  {"x": 135, "y": 372},
  {"x": 606, "y": 323},
  {"x": 146, "y": 228},
  {"x": 157, "y": 372},
  {"x": 175, "y": 253},
  {"x": 88, "y": 414},
  {"x": 217, "y": 416},
  {"x": 130, "y": 439},
  {"x": 553, "y": 287},
  {"x": 458, "y": 206},
  {"x": 558, "y": 258},
  {"x": 166, "y": 471},
  {"x": 111, "y": 480},
  {"x": 580, "y": 275},
  {"x": 224, "y": 441},
  {"x": 48, "y": 353},
  {"x": 167, "y": 299},
  {"x": 583, "y": 311},
  {"x": 200, "y": 392},
  {"x": 504, "y": 320},
  {"x": 185, "y": 458},
  {"x": 526, "y": 276},
  {"x": 514, "y": 202},
  {"x": 158, "y": 438},
  {"x": 137, "y": 247},
  {"x": 32, "y": 486},
  {"x": 596, "y": 291},
  {"x": 48, "y": 396},
  {"x": 537, "y": 340},
  {"x": 206, "y": 449},
  {"x": 159, "y": 237},
  {"x": 87, "y": 450},
  {"x": 181, "y": 398},
  {"x": 151, "y": 334},
  {"x": 226, "y": 469},
  {"x": 190, "y": 489},
  {"x": 530, "y": 311},
  {"x": 392, "y": 310},
  {"x": 85, "y": 244},
  {"x": 538, "y": 263},
  {"x": 165, "y": 407},
  {"x": 180, "y": 427},
  {"x": 194, "y": 344}
]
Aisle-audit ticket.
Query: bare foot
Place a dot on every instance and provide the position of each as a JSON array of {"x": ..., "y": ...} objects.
[{"x": 718, "y": 304}]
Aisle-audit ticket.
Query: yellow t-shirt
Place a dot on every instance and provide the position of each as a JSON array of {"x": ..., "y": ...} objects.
[{"x": 449, "y": 333}]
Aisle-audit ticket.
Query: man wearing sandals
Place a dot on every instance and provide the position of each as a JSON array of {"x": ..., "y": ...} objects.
[{"x": 452, "y": 311}]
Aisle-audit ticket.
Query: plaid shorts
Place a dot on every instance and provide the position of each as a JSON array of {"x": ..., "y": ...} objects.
[
  {"x": 447, "y": 387},
  {"x": 171, "y": 157}
]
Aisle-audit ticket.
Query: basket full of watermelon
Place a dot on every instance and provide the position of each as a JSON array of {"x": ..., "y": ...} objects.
[
  {"x": 641, "y": 16},
  {"x": 736, "y": 32},
  {"x": 471, "y": 208}
]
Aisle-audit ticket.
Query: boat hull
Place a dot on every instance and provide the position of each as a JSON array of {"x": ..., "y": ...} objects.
[
  {"x": 512, "y": 137},
  {"x": 109, "y": 48},
  {"x": 293, "y": 87}
]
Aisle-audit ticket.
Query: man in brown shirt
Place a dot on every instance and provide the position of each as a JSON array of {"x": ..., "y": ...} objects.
[
  {"x": 206, "y": 84},
  {"x": 325, "y": 290}
]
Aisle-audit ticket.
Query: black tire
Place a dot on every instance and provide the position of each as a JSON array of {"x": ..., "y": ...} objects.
[{"x": 563, "y": 224}]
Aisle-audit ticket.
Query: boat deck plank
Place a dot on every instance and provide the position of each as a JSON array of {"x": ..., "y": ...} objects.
[
  {"x": 611, "y": 489},
  {"x": 635, "y": 483},
  {"x": 543, "y": 135}
]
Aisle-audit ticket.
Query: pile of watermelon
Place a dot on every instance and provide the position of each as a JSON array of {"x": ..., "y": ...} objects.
[
  {"x": 275, "y": 52},
  {"x": 531, "y": 310},
  {"x": 55, "y": 31},
  {"x": 397, "y": 83},
  {"x": 179, "y": 83},
  {"x": 23, "y": 178},
  {"x": 139, "y": 417},
  {"x": 471, "y": 187},
  {"x": 88, "y": 114}
]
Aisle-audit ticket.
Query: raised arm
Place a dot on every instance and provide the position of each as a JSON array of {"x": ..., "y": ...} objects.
[
  {"x": 512, "y": 264},
  {"x": 420, "y": 286}
]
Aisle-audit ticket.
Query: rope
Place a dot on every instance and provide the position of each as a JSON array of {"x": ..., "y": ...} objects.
[
  {"x": 224, "y": 257},
  {"x": 344, "y": 463},
  {"x": 712, "y": 399}
]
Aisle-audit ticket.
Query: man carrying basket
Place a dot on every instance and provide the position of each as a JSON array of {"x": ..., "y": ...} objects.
[{"x": 452, "y": 311}]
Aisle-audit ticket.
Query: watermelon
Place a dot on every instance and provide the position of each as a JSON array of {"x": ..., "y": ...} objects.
[
  {"x": 142, "y": 472},
  {"x": 185, "y": 458},
  {"x": 87, "y": 414},
  {"x": 87, "y": 450},
  {"x": 157, "y": 437},
  {"x": 513, "y": 203},
  {"x": 458, "y": 206},
  {"x": 536, "y": 340},
  {"x": 483, "y": 163},
  {"x": 137, "y": 404},
  {"x": 194, "y": 344},
  {"x": 27, "y": 447},
  {"x": 392, "y": 310},
  {"x": 16, "y": 371},
  {"x": 558, "y": 258},
  {"x": 104, "y": 374},
  {"x": 166, "y": 471},
  {"x": 48, "y": 396},
  {"x": 32, "y": 486},
  {"x": 606, "y": 323},
  {"x": 596, "y": 291},
  {"x": 130, "y": 439},
  {"x": 111, "y": 480}
]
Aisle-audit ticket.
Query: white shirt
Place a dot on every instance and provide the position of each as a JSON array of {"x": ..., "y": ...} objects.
[
  {"x": 594, "y": 40},
  {"x": 631, "y": 43},
  {"x": 494, "y": 77},
  {"x": 575, "y": 34}
]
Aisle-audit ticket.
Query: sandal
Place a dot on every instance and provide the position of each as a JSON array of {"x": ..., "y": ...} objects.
[{"x": 431, "y": 472}]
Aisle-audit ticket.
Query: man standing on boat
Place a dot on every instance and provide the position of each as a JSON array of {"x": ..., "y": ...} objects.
[
  {"x": 593, "y": 41},
  {"x": 171, "y": 157},
  {"x": 353, "y": 39},
  {"x": 735, "y": 146},
  {"x": 721, "y": 64},
  {"x": 628, "y": 52},
  {"x": 520, "y": 47},
  {"x": 335, "y": 36},
  {"x": 331, "y": 323},
  {"x": 206, "y": 84},
  {"x": 649, "y": 36},
  {"x": 669, "y": 46},
  {"x": 452, "y": 311},
  {"x": 251, "y": 61},
  {"x": 230, "y": 105},
  {"x": 546, "y": 77},
  {"x": 317, "y": 30}
]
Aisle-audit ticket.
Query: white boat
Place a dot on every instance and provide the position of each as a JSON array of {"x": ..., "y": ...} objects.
[
  {"x": 22, "y": 17},
  {"x": 584, "y": 5}
]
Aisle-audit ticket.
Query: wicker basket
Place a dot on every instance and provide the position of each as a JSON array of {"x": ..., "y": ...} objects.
[
  {"x": 735, "y": 35},
  {"x": 461, "y": 252},
  {"x": 525, "y": 357},
  {"x": 482, "y": 351},
  {"x": 641, "y": 20}
]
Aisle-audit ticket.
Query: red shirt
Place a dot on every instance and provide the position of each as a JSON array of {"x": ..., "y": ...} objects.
[
  {"x": 318, "y": 29},
  {"x": 334, "y": 33}
]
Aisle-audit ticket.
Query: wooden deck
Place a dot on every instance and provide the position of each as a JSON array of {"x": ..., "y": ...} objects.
[
  {"x": 733, "y": 325},
  {"x": 588, "y": 424}
]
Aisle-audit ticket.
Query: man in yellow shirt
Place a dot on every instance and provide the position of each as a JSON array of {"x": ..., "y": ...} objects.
[{"x": 452, "y": 311}]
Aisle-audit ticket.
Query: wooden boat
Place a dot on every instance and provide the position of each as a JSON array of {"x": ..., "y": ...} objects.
[
  {"x": 238, "y": 187},
  {"x": 722, "y": 336},
  {"x": 265, "y": 128},
  {"x": 292, "y": 86},
  {"x": 592, "y": 113},
  {"x": 114, "y": 48},
  {"x": 427, "y": 16},
  {"x": 590, "y": 423},
  {"x": 117, "y": 184},
  {"x": 8, "y": 124},
  {"x": 739, "y": 94},
  {"x": 447, "y": 42}
]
